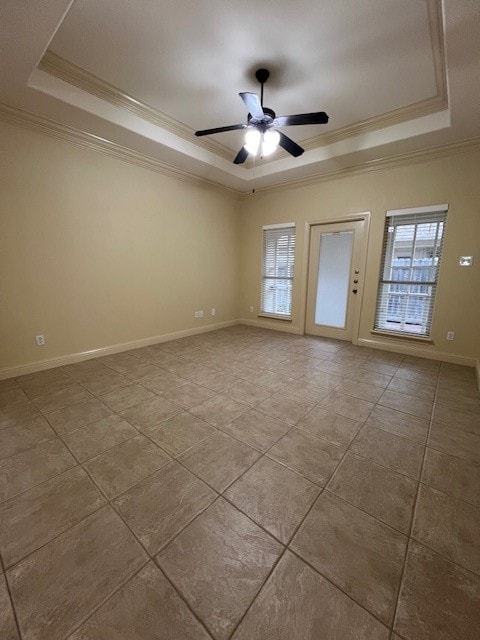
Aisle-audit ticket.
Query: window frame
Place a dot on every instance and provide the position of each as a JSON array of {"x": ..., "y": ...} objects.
[
  {"x": 290, "y": 266},
  {"x": 396, "y": 218}
]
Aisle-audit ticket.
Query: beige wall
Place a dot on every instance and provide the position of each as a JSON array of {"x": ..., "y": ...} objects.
[
  {"x": 95, "y": 251},
  {"x": 455, "y": 181}
]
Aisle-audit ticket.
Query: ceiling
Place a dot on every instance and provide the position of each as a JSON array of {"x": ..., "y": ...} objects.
[{"x": 139, "y": 78}]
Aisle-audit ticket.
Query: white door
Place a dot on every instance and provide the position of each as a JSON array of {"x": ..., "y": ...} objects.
[{"x": 334, "y": 279}]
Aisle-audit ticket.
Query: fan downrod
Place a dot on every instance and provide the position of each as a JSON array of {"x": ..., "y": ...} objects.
[{"x": 262, "y": 76}]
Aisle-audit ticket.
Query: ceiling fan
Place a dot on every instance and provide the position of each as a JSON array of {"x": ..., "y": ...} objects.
[{"x": 262, "y": 125}]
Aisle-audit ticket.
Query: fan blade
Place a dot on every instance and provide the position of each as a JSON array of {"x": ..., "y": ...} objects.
[
  {"x": 320, "y": 117},
  {"x": 289, "y": 145},
  {"x": 241, "y": 156},
  {"x": 208, "y": 132},
  {"x": 253, "y": 104}
]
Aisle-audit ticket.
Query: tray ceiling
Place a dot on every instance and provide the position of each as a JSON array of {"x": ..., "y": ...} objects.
[{"x": 146, "y": 75}]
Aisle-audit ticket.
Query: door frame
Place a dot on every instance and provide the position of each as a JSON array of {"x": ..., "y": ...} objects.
[{"x": 364, "y": 217}]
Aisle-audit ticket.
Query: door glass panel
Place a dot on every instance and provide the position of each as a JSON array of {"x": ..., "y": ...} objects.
[{"x": 333, "y": 278}]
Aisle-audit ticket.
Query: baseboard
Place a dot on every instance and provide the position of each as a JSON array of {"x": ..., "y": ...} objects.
[
  {"x": 417, "y": 350},
  {"x": 33, "y": 367},
  {"x": 477, "y": 371},
  {"x": 283, "y": 326}
]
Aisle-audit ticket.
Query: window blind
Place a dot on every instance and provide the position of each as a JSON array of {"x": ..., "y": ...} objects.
[
  {"x": 412, "y": 250},
  {"x": 278, "y": 261}
]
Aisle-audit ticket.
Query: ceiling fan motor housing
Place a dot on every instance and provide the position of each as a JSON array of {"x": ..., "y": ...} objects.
[{"x": 265, "y": 122}]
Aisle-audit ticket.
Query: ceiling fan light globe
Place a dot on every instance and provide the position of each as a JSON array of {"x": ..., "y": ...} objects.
[
  {"x": 252, "y": 141},
  {"x": 270, "y": 142}
]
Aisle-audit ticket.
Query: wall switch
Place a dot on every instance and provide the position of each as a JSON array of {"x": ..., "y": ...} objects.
[
  {"x": 465, "y": 261},
  {"x": 40, "y": 340},
  {"x": 213, "y": 312},
  {"x": 450, "y": 335},
  {"x": 200, "y": 313},
  {"x": 197, "y": 314},
  {"x": 251, "y": 308}
]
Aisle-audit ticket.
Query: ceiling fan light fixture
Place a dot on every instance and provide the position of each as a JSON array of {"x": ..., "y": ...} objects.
[
  {"x": 266, "y": 142},
  {"x": 270, "y": 142},
  {"x": 252, "y": 141}
]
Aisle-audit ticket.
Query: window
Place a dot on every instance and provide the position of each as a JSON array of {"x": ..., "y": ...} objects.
[
  {"x": 278, "y": 260},
  {"x": 410, "y": 262}
]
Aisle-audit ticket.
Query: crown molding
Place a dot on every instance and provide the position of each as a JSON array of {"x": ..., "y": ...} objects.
[
  {"x": 437, "y": 36},
  {"x": 13, "y": 115},
  {"x": 57, "y": 66},
  {"x": 471, "y": 145},
  {"x": 397, "y": 116},
  {"x": 19, "y": 117}
]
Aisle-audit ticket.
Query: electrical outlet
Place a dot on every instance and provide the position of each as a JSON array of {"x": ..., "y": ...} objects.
[
  {"x": 450, "y": 335},
  {"x": 251, "y": 308},
  {"x": 213, "y": 312},
  {"x": 40, "y": 340}
]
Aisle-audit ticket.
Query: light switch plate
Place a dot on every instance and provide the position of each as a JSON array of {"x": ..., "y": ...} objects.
[{"x": 465, "y": 261}]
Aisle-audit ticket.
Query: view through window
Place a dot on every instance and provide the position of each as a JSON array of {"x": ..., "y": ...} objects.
[{"x": 410, "y": 264}]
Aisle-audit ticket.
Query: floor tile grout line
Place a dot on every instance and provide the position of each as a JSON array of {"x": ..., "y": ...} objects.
[
  {"x": 102, "y": 493},
  {"x": 38, "y": 484},
  {"x": 54, "y": 436},
  {"x": 162, "y": 547},
  {"x": 412, "y": 520},
  {"x": 109, "y": 503},
  {"x": 265, "y": 454},
  {"x": 250, "y": 517},
  {"x": 257, "y": 593},
  {"x": 151, "y": 556},
  {"x": 450, "y": 495},
  {"x": 474, "y": 576},
  {"x": 325, "y": 489},
  {"x": 380, "y": 427},
  {"x": 221, "y": 494},
  {"x": 82, "y": 462},
  {"x": 180, "y": 594},
  {"x": 55, "y": 537},
  {"x": 375, "y": 462},
  {"x": 339, "y": 588},
  {"x": 9, "y": 595},
  {"x": 379, "y": 520},
  {"x": 105, "y": 600}
]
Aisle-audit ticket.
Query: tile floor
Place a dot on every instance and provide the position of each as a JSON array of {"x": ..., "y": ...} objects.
[{"x": 241, "y": 484}]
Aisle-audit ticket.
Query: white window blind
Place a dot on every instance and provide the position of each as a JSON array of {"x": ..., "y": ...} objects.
[
  {"x": 411, "y": 256},
  {"x": 278, "y": 260}
]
